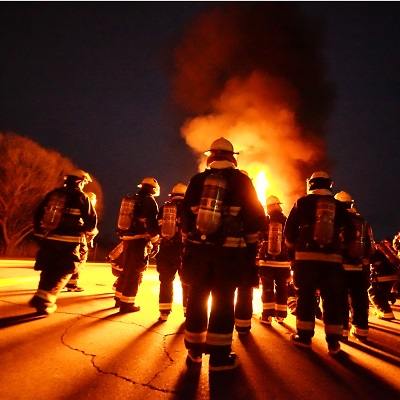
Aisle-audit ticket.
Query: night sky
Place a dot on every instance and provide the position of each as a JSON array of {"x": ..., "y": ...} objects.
[{"x": 93, "y": 81}]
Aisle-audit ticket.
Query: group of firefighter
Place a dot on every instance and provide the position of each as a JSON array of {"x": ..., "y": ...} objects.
[{"x": 217, "y": 236}]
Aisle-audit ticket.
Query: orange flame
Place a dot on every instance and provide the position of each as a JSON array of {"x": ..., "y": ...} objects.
[{"x": 254, "y": 115}]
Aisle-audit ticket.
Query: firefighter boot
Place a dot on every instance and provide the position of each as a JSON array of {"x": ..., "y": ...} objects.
[
  {"x": 218, "y": 363},
  {"x": 128, "y": 308},
  {"x": 300, "y": 341}
]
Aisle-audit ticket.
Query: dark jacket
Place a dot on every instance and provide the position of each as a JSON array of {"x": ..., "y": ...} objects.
[
  {"x": 144, "y": 222},
  {"x": 79, "y": 217},
  {"x": 300, "y": 224},
  {"x": 242, "y": 218}
]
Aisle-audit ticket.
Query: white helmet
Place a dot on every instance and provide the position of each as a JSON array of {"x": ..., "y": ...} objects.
[
  {"x": 179, "y": 189},
  {"x": 222, "y": 144},
  {"x": 273, "y": 200},
  {"x": 319, "y": 174},
  {"x": 153, "y": 183},
  {"x": 319, "y": 180},
  {"x": 344, "y": 197}
]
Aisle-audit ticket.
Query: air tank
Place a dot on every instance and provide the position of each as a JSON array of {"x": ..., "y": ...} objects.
[
  {"x": 126, "y": 211},
  {"x": 274, "y": 238},
  {"x": 168, "y": 227},
  {"x": 54, "y": 211},
  {"x": 212, "y": 198},
  {"x": 324, "y": 220}
]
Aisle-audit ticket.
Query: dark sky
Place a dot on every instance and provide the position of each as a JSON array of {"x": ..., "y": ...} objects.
[{"x": 92, "y": 81}]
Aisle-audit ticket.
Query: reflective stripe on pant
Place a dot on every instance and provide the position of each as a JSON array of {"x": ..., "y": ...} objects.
[
  {"x": 214, "y": 270},
  {"x": 50, "y": 285},
  {"x": 244, "y": 307},
  {"x": 218, "y": 337}
]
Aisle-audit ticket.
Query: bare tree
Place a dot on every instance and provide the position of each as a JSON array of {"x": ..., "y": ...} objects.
[{"x": 27, "y": 173}]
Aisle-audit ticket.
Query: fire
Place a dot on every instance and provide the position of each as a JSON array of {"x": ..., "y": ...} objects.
[{"x": 261, "y": 184}]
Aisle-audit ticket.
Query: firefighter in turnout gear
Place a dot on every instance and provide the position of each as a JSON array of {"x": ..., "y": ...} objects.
[
  {"x": 357, "y": 274},
  {"x": 169, "y": 258},
  {"x": 220, "y": 218},
  {"x": 314, "y": 229},
  {"x": 274, "y": 265},
  {"x": 72, "y": 285},
  {"x": 63, "y": 222},
  {"x": 396, "y": 287},
  {"x": 384, "y": 266},
  {"x": 138, "y": 230}
]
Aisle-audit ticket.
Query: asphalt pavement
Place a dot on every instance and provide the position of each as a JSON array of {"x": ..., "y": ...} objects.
[{"x": 87, "y": 350}]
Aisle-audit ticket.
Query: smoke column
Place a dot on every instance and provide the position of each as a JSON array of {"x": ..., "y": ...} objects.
[{"x": 254, "y": 74}]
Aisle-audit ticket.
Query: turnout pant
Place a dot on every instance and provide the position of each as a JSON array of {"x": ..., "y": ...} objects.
[
  {"x": 328, "y": 277},
  {"x": 356, "y": 301},
  {"x": 57, "y": 261},
  {"x": 169, "y": 260},
  {"x": 134, "y": 263},
  {"x": 244, "y": 308},
  {"x": 210, "y": 270},
  {"x": 274, "y": 294}
]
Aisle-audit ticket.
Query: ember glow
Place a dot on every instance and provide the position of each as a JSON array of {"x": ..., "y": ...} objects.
[{"x": 259, "y": 83}]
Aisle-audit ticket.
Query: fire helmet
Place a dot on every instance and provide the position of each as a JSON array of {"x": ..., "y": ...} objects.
[
  {"x": 221, "y": 150},
  {"x": 152, "y": 182},
  {"x": 179, "y": 190},
  {"x": 344, "y": 197},
  {"x": 273, "y": 200},
  {"x": 82, "y": 175},
  {"x": 222, "y": 144},
  {"x": 319, "y": 180}
]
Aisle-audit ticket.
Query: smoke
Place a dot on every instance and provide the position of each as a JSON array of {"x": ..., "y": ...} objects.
[{"x": 254, "y": 73}]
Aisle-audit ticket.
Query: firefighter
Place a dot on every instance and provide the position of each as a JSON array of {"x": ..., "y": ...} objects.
[
  {"x": 357, "y": 274},
  {"x": 313, "y": 230},
  {"x": 274, "y": 265},
  {"x": 59, "y": 255},
  {"x": 220, "y": 217},
  {"x": 396, "y": 286},
  {"x": 169, "y": 258},
  {"x": 384, "y": 265},
  {"x": 138, "y": 230},
  {"x": 72, "y": 285}
]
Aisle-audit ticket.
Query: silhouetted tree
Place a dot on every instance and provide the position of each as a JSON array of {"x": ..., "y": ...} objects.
[{"x": 27, "y": 173}]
